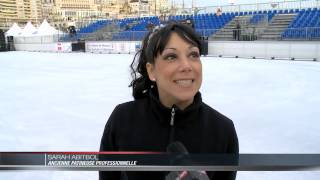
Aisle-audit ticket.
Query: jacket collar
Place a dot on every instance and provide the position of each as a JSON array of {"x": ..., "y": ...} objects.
[{"x": 182, "y": 117}]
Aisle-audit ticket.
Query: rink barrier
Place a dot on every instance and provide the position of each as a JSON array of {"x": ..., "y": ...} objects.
[
  {"x": 289, "y": 50},
  {"x": 103, "y": 47},
  {"x": 113, "y": 47},
  {"x": 46, "y": 47}
]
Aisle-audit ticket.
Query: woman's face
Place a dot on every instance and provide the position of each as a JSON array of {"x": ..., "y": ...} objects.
[{"x": 177, "y": 72}]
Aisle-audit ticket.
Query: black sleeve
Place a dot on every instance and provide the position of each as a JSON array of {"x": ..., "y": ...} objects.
[
  {"x": 233, "y": 144},
  {"x": 108, "y": 144},
  {"x": 233, "y": 148}
]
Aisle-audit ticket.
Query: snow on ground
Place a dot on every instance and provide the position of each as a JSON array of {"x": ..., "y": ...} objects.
[{"x": 61, "y": 102}]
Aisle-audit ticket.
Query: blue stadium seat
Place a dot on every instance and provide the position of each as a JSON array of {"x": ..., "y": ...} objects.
[{"x": 305, "y": 24}]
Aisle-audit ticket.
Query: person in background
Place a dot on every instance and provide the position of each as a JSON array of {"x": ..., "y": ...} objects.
[
  {"x": 167, "y": 105},
  {"x": 189, "y": 22},
  {"x": 218, "y": 12},
  {"x": 72, "y": 31},
  {"x": 238, "y": 31},
  {"x": 2, "y": 41}
]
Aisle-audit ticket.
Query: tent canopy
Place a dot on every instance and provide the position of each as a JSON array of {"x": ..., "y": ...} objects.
[
  {"x": 14, "y": 30},
  {"x": 46, "y": 29},
  {"x": 28, "y": 30}
]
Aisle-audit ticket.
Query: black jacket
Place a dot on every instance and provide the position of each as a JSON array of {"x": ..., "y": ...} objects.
[{"x": 144, "y": 125}]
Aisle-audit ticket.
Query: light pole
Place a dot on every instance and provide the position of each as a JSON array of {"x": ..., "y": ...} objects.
[{"x": 155, "y": 7}]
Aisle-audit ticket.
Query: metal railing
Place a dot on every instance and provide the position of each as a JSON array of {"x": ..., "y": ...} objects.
[
  {"x": 243, "y": 34},
  {"x": 307, "y": 33},
  {"x": 206, "y": 32},
  {"x": 280, "y": 5}
]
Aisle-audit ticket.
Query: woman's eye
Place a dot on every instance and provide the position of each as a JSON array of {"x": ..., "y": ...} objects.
[
  {"x": 195, "y": 55},
  {"x": 170, "y": 57}
]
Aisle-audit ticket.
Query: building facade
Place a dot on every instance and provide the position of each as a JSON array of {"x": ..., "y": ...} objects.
[
  {"x": 62, "y": 12},
  {"x": 19, "y": 11},
  {"x": 158, "y": 7},
  {"x": 139, "y": 7}
]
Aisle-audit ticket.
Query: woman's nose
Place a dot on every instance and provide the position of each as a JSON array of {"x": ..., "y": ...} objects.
[{"x": 185, "y": 65}]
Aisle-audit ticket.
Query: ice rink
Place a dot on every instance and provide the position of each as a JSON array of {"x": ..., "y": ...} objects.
[{"x": 61, "y": 102}]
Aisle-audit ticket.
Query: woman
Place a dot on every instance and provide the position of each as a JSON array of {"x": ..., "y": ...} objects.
[{"x": 167, "y": 75}]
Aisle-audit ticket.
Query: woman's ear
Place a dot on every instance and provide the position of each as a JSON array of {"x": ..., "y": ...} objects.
[{"x": 150, "y": 70}]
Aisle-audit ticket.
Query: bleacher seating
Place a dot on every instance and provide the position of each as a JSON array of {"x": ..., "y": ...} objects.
[
  {"x": 257, "y": 18},
  {"x": 94, "y": 26},
  {"x": 135, "y": 28},
  {"x": 205, "y": 25},
  {"x": 208, "y": 24},
  {"x": 305, "y": 26}
]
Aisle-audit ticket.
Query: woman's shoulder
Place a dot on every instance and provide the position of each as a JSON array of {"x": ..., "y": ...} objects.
[
  {"x": 128, "y": 112},
  {"x": 215, "y": 116},
  {"x": 132, "y": 105}
]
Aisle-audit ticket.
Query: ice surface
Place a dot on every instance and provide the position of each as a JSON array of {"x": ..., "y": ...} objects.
[{"x": 61, "y": 102}]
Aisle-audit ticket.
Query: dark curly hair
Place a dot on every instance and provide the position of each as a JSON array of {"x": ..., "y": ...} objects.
[{"x": 153, "y": 45}]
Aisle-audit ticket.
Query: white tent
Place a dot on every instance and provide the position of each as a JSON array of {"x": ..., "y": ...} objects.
[
  {"x": 46, "y": 29},
  {"x": 44, "y": 35},
  {"x": 26, "y": 34},
  {"x": 14, "y": 30},
  {"x": 28, "y": 30}
]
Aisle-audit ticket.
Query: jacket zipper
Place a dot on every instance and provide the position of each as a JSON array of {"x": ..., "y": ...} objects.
[
  {"x": 172, "y": 116},
  {"x": 171, "y": 135}
]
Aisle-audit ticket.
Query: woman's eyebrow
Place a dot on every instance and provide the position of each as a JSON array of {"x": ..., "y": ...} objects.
[
  {"x": 192, "y": 46},
  {"x": 170, "y": 48}
]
